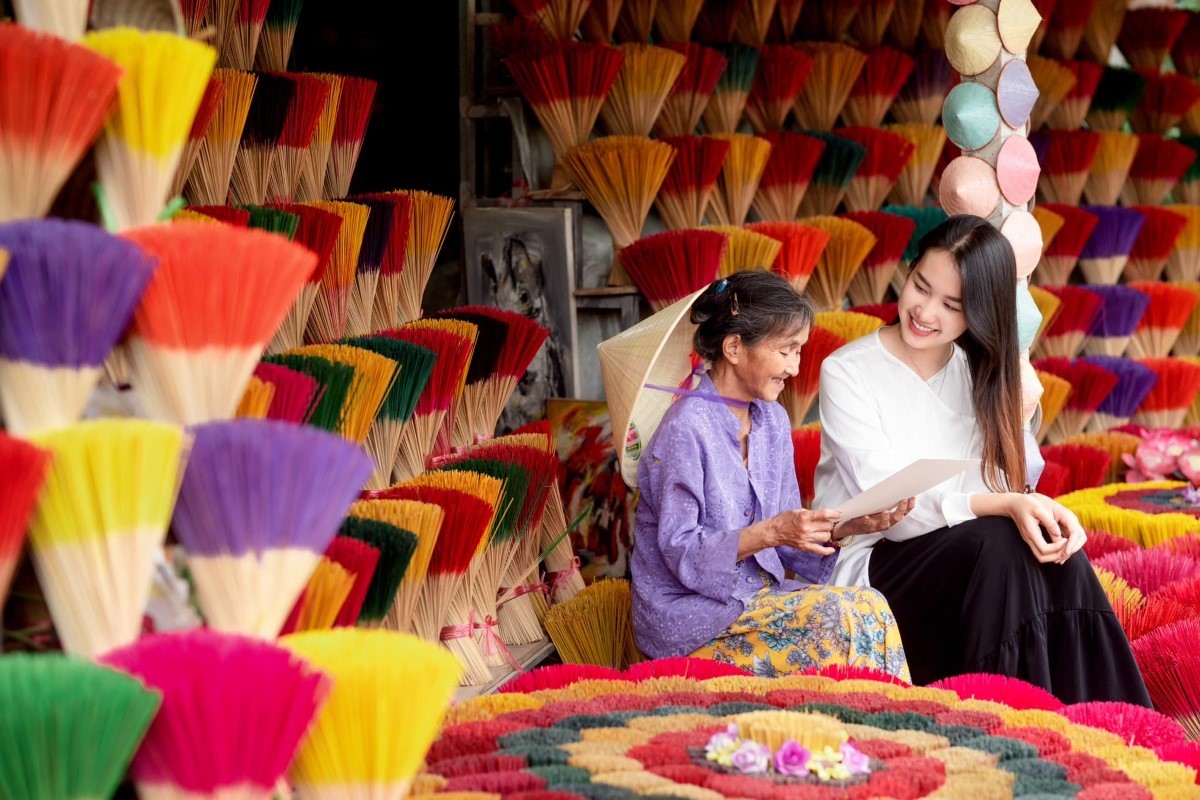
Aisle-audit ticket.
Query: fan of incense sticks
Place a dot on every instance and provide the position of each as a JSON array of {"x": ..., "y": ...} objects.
[
  {"x": 836, "y": 69},
  {"x": 636, "y": 20},
  {"x": 1161, "y": 230},
  {"x": 934, "y": 24},
  {"x": 1188, "y": 343},
  {"x": 718, "y": 21},
  {"x": 848, "y": 324},
  {"x": 1159, "y": 165},
  {"x": 489, "y": 342},
  {"x": 1090, "y": 385},
  {"x": 746, "y": 249},
  {"x": 1148, "y": 35},
  {"x": 675, "y": 20},
  {"x": 398, "y": 208},
  {"x": 892, "y": 234},
  {"x": 905, "y": 24},
  {"x": 1055, "y": 391},
  {"x": 802, "y": 247},
  {"x": 1165, "y": 657},
  {"x": 1065, "y": 336},
  {"x": 209, "y": 179},
  {"x": 1184, "y": 262},
  {"x": 216, "y": 298},
  {"x": 800, "y": 391},
  {"x": 256, "y": 400},
  {"x": 335, "y": 593},
  {"x": 600, "y": 20},
  {"x": 1168, "y": 310},
  {"x": 596, "y": 626},
  {"x": 1066, "y": 161},
  {"x": 100, "y": 520},
  {"x": 1134, "y": 382},
  {"x": 430, "y": 216},
  {"x": 252, "y": 168},
  {"x": 753, "y": 25},
  {"x": 724, "y": 110},
  {"x": 887, "y": 154},
  {"x": 1116, "y": 445},
  {"x": 56, "y": 97},
  {"x": 1186, "y": 53},
  {"x": 330, "y": 308},
  {"x": 205, "y": 114},
  {"x": 884, "y": 75},
  {"x": 740, "y": 174},
  {"x": 66, "y": 298},
  {"x": 239, "y": 24},
  {"x": 453, "y": 342},
  {"x": 1110, "y": 169},
  {"x": 391, "y": 690},
  {"x": 1086, "y": 466},
  {"x": 782, "y": 72},
  {"x": 920, "y": 101},
  {"x": 1062, "y": 253},
  {"x": 1045, "y": 9},
  {"x": 1048, "y": 306},
  {"x": 831, "y": 179},
  {"x": 396, "y": 548},
  {"x": 870, "y": 23},
  {"x": 1055, "y": 80},
  {"x": 562, "y": 565},
  {"x": 1103, "y": 258},
  {"x": 912, "y": 184},
  {"x": 806, "y": 452},
  {"x": 620, "y": 175},
  {"x": 1168, "y": 98},
  {"x": 314, "y": 161},
  {"x": 317, "y": 230},
  {"x": 424, "y": 521},
  {"x": 1168, "y": 402},
  {"x": 277, "y": 35},
  {"x": 566, "y": 84},
  {"x": 373, "y": 378},
  {"x": 163, "y": 83},
  {"x": 353, "y": 114},
  {"x": 273, "y": 220},
  {"x": 300, "y": 122},
  {"x": 1117, "y": 94},
  {"x": 1049, "y": 222},
  {"x": 849, "y": 245},
  {"x": 381, "y": 221},
  {"x": 295, "y": 395},
  {"x": 669, "y": 266},
  {"x": 785, "y": 178},
  {"x": 332, "y": 387},
  {"x": 690, "y": 94},
  {"x": 647, "y": 76},
  {"x": 1188, "y": 188},
  {"x": 1122, "y": 308},
  {"x": 1066, "y": 27},
  {"x": 1070, "y": 113},
  {"x": 826, "y": 20},
  {"x": 26, "y": 467},
  {"x": 559, "y": 18},
  {"x": 684, "y": 195}
]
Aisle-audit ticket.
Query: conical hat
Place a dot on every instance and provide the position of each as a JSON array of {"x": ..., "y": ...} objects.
[{"x": 657, "y": 351}]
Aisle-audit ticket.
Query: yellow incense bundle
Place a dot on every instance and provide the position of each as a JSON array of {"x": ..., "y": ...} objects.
[
  {"x": 596, "y": 627},
  {"x": 743, "y": 168},
  {"x": 849, "y": 245},
  {"x": 637, "y": 96},
  {"x": 327, "y": 322},
  {"x": 373, "y": 379},
  {"x": 746, "y": 249},
  {"x": 208, "y": 182},
  {"x": 424, "y": 520}
]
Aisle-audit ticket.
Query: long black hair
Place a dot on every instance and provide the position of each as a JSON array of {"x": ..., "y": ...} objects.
[
  {"x": 754, "y": 304},
  {"x": 988, "y": 268}
]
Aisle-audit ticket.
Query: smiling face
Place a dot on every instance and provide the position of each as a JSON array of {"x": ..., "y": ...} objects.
[
  {"x": 930, "y": 306},
  {"x": 758, "y": 372}
]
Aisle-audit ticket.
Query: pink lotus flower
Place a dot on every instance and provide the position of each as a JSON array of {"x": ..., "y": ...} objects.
[{"x": 792, "y": 759}]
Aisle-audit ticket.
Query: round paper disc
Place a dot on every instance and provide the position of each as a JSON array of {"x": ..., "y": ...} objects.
[
  {"x": 1018, "y": 21},
  {"x": 972, "y": 39},
  {"x": 1023, "y": 232},
  {"x": 969, "y": 187},
  {"x": 970, "y": 115},
  {"x": 1017, "y": 170},
  {"x": 1016, "y": 93}
]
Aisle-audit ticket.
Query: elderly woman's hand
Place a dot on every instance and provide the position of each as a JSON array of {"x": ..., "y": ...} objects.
[
  {"x": 809, "y": 531},
  {"x": 874, "y": 523}
]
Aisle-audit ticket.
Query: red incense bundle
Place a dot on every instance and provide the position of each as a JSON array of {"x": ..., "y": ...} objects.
[
  {"x": 782, "y": 72},
  {"x": 669, "y": 266},
  {"x": 1186, "y": 53},
  {"x": 1168, "y": 402},
  {"x": 1065, "y": 336},
  {"x": 1149, "y": 34},
  {"x": 887, "y": 155},
  {"x": 683, "y": 197},
  {"x": 1169, "y": 309},
  {"x": 299, "y": 126},
  {"x": 1086, "y": 466},
  {"x": 1158, "y": 166},
  {"x": 800, "y": 391},
  {"x": 802, "y": 248},
  {"x": 1064, "y": 33},
  {"x": 1161, "y": 231},
  {"x": 353, "y": 114},
  {"x": 693, "y": 88},
  {"x": 25, "y": 467},
  {"x": 1090, "y": 386},
  {"x": 806, "y": 452},
  {"x": 1062, "y": 254},
  {"x": 794, "y": 157},
  {"x": 886, "y": 71},
  {"x": 1070, "y": 113},
  {"x": 317, "y": 231},
  {"x": 205, "y": 114},
  {"x": 1068, "y": 158},
  {"x": 1168, "y": 98},
  {"x": 892, "y": 235},
  {"x": 296, "y": 394}
]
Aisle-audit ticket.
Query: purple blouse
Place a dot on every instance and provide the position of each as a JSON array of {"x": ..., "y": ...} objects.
[{"x": 696, "y": 497}]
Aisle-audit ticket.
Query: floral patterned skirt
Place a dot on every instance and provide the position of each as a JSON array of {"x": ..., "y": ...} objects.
[{"x": 817, "y": 626}]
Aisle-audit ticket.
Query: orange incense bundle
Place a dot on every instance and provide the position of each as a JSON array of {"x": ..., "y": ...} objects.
[
  {"x": 25, "y": 468},
  {"x": 315, "y": 160},
  {"x": 1065, "y": 336},
  {"x": 599, "y": 20},
  {"x": 54, "y": 97},
  {"x": 327, "y": 320},
  {"x": 208, "y": 182},
  {"x": 1055, "y": 391},
  {"x": 217, "y": 297},
  {"x": 684, "y": 195},
  {"x": 1090, "y": 386},
  {"x": 566, "y": 84},
  {"x": 1186, "y": 52},
  {"x": 559, "y": 18},
  {"x": 869, "y": 26},
  {"x": 782, "y": 72},
  {"x": 743, "y": 168},
  {"x": 675, "y": 20},
  {"x": 1169, "y": 401},
  {"x": 887, "y": 154},
  {"x": 1070, "y": 112},
  {"x": 800, "y": 391},
  {"x": 1169, "y": 309},
  {"x": 1067, "y": 160},
  {"x": 892, "y": 234},
  {"x": 1114, "y": 158},
  {"x": 886, "y": 71},
  {"x": 787, "y": 17},
  {"x": 1055, "y": 80},
  {"x": 317, "y": 231},
  {"x": 745, "y": 249},
  {"x": 647, "y": 76},
  {"x": 1048, "y": 305},
  {"x": 1183, "y": 265},
  {"x": 620, "y": 175},
  {"x": 200, "y": 124},
  {"x": 1149, "y": 34},
  {"x": 754, "y": 23},
  {"x": 836, "y": 68},
  {"x": 430, "y": 216},
  {"x": 299, "y": 126},
  {"x": 806, "y": 452},
  {"x": 1062, "y": 253},
  {"x": 1104, "y": 25},
  {"x": 230, "y": 215},
  {"x": 669, "y": 266},
  {"x": 1066, "y": 27},
  {"x": 636, "y": 20},
  {"x": 849, "y": 245},
  {"x": 1168, "y": 98},
  {"x": 1161, "y": 230},
  {"x": 1049, "y": 222},
  {"x": 1159, "y": 165},
  {"x": 922, "y": 96},
  {"x": 689, "y": 96},
  {"x": 928, "y": 141},
  {"x": 828, "y": 20},
  {"x": 790, "y": 166},
  {"x": 802, "y": 248},
  {"x": 349, "y": 130}
]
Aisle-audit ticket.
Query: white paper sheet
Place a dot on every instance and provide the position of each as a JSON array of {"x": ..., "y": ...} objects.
[{"x": 919, "y": 476}]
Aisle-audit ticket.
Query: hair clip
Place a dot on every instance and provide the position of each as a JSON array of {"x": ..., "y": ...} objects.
[
  {"x": 722, "y": 285},
  {"x": 734, "y": 308}
]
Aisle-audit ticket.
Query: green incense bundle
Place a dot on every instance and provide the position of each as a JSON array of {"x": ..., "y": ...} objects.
[
  {"x": 728, "y": 101},
  {"x": 334, "y": 381},
  {"x": 831, "y": 178},
  {"x": 396, "y": 547},
  {"x": 273, "y": 220},
  {"x": 1116, "y": 97}
]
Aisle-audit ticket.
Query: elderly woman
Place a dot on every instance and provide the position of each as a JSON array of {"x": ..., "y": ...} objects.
[{"x": 720, "y": 523}]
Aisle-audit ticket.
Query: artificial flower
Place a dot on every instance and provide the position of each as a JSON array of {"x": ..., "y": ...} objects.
[
  {"x": 792, "y": 759},
  {"x": 855, "y": 761},
  {"x": 721, "y": 746},
  {"x": 752, "y": 758},
  {"x": 827, "y": 765}
]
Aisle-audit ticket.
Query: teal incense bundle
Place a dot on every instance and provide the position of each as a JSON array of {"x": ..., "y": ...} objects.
[
  {"x": 724, "y": 111},
  {"x": 831, "y": 179}
]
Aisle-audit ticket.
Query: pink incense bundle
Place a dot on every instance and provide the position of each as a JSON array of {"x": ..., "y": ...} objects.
[
  {"x": 689, "y": 96},
  {"x": 1101, "y": 543},
  {"x": 782, "y": 72},
  {"x": 1150, "y": 569},
  {"x": 1062, "y": 253},
  {"x": 1169, "y": 309},
  {"x": 790, "y": 167},
  {"x": 887, "y": 155},
  {"x": 806, "y": 452},
  {"x": 1168, "y": 98},
  {"x": 1135, "y": 725},
  {"x": 234, "y": 711},
  {"x": 299, "y": 126},
  {"x": 669, "y": 266},
  {"x": 1161, "y": 231},
  {"x": 1149, "y": 34},
  {"x": 1087, "y": 466},
  {"x": 1090, "y": 386},
  {"x": 353, "y": 114},
  {"x": 1069, "y": 113},
  {"x": 1167, "y": 658},
  {"x": 886, "y": 71},
  {"x": 683, "y": 197},
  {"x": 1064, "y": 337},
  {"x": 296, "y": 394},
  {"x": 1066, "y": 162},
  {"x": 1158, "y": 166},
  {"x": 1168, "y": 402},
  {"x": 802, "y": 248},
  {"x": 892, "y": 235}
]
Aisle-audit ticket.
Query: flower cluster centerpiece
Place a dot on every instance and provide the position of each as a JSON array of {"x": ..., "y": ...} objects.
[
  {"x": 1166, "y": 454},
  {"x": 791, "y": 759}
]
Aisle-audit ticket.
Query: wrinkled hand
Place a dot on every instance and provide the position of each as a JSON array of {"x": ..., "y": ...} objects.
[
  {"x": 809, "y": 531},
  {"x": 874, "y": 523},
  {"x": 1063, "y": 535}
]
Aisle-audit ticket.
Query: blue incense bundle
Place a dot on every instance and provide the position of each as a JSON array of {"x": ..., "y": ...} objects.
[
  {"x": 67, "y": 296},
  {"x": 1134, "y": 382},
  {"x": 1107, "y": 252},
  {"x": 1121, "y": 310},
  {"x": 259, "y": 503}
]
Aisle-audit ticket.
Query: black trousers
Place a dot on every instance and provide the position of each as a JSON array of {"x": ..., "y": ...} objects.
[{"x": 972, "y": 598}]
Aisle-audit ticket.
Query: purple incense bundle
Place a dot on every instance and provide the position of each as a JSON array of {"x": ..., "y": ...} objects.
[
  {"x": 1121, "y": 310},
  {"x": 67, "y": 296},
  {"x": 1134, "y": 382},
  {"x": 1107, "y": 252},
  {"x": 259, "y": 503}
]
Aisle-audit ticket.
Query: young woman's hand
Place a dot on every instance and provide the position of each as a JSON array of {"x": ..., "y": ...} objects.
[
  {"x": 809, "y": 531},
  {"x": 873, "y": 523},
  {"x": 1045, "y": 529},
  {"x": 1068, "y": 526}
]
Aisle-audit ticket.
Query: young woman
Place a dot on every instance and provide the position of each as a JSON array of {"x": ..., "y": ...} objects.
[
  {"x": 719, "y": 517},
  {"x": 983, "y": 575}
]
